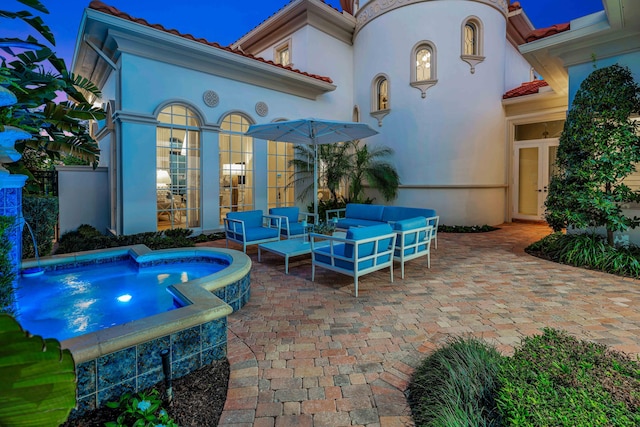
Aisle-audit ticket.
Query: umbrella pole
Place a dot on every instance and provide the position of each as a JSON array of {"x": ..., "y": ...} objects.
[{"x": 315, "y": 181}]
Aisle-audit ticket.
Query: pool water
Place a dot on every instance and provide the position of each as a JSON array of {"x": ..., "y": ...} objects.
[{"x": 67, "y": 303}]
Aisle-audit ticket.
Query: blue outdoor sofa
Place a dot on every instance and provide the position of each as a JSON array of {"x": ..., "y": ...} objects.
[{"x": 364, "y": 215}]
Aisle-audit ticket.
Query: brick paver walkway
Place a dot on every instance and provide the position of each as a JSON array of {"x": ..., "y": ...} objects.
[{"x": 311, "y": 354}]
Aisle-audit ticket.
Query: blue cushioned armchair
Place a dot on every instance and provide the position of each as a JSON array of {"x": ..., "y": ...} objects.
[
  {"x": 362, "y": 251},
  {"x": 292, "y": 220},
  {"x": 413, "y": 241},
  {"x": 251, "y": 228}
]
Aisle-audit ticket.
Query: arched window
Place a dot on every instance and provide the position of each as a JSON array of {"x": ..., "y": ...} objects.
[
  {"x": 423, "y": 66},
  {"x": 236, "y": 165},
  {"x": 470, "y": 39},
  {"x": 380, "y": 97},
  {"x": 178, "y": 168},
  {"x": 382, "y": 94},
  {"x": 471, "y": 50}
]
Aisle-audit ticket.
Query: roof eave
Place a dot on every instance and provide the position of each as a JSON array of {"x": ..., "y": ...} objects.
[
  {"x": 120, "y": 35},
  {"x": 294, "y": 16}
]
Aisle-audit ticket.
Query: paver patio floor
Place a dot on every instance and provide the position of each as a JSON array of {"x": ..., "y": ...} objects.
[{"x": 311, "y": 354}]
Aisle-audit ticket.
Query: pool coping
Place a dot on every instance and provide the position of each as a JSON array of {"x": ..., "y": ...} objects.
[{"x": 204, "y": 305}]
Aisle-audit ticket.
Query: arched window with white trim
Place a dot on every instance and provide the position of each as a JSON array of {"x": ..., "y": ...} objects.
[
  {"x": 423, "y": 66},
  {"x": 471, "y": 46},
  {"x": 380, "y": 97}
]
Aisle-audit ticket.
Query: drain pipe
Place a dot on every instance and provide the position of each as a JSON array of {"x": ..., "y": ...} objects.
[{"x": 166, "y": 370}]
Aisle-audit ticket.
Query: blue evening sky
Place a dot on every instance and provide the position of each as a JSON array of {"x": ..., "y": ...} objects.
[{"x": 224, "y": 21}]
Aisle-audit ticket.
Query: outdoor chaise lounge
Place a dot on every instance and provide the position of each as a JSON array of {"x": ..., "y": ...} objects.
[
  {"x": 251, "y": 228},
  {"x": 363, "y": 250},
  {"x": 364, "y": 215},
  {"x": 412, "y": 241},
  {"x": 292, "y": 220}
]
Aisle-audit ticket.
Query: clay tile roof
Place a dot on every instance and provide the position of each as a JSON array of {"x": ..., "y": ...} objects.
[
  {"x": 514, "y": 6},
  {"x": 277, "y": 12},
  {"x": 101, "y": 7},
  {"x": 541, "y": 33},
  {"x": 528, "y": 88}
]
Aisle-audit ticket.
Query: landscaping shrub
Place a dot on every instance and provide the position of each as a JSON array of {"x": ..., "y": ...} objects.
[
  {"x": 456, "y": 386},
  {"x": 41, "y": 213},
  {"x": 7, "y": 276},
  {"x": 466, "y": 228},
  {"x": 87, "y": 238},
  {"x": 557, "y": 380},
  {"x": 590, "y": 251}
]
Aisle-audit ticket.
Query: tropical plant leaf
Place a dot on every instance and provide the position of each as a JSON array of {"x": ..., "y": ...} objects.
[
  {"x": 35, "y": 4},
  {"x": 38, "y": 385}
]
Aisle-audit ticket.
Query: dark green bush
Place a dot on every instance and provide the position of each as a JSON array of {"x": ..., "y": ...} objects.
[
  {"x": 590, "y": 251},
  {"x": 456, "y": 386},
  {"x": 557, "y": 380},
  {"x": 87, "y": 238},
  {"x": 465, "y": 228},
  {"x": 41, "y": 213},
  {"x": 7, "y": 275}
]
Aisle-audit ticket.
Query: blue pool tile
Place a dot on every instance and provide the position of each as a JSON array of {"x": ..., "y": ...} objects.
[
  {"x": 116, "y": 367},
  {"x": 185, "y": 343},
  {"x": 149, "y": 379},
  {"x": 212, "y": 354},
  {"x": 185, "y": 366},
  {"x": 112, "y": 394},
  {"x": 149, "y": 354},
  {"x": 233, "y": 292},
  {"x": 214, "y": 332},
  {"x": 84, "y": 405},
  {"x": 86, "y": 377}
]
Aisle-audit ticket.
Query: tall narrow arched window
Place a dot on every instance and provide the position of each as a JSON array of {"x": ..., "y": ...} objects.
[
  {"x": 470, "y": 40},
  {"x": 471, "y": 48},
  {"x": 380, "y": 97},
  {"x": 178, "y": 168},
  {"x": 382, "y": 94},
  {"x": 236, "y": 165},
  {"x": 423, "y": 66}
]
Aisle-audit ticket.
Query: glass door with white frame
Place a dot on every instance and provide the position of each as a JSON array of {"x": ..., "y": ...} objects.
[{"x": 534, "y": 165}]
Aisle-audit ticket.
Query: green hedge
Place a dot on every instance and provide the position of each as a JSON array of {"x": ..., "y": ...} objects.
[
  {"x": 590, "y": 251},
  {"x": 87, "y": 238},
  {"x": 552, "y": 380},
  {"x": 7, "y": 275},
  {"x": 41, "y": 213},
  {"x": 556, "y": 380}
]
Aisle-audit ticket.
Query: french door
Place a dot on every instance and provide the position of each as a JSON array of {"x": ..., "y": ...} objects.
[{"x": 534, "y": 164}]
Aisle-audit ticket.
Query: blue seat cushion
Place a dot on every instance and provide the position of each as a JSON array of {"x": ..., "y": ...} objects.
[
  {"x": 364, "y": 211},
  {"x": 398, "y": 213},
  {"x": 359, "y": 233},
  {"x": 294, "y": 229},
  {"x": 250, "y": 218},
  {"x": 290, "y": 212},
  {"x": 260, "y": 233},
  {"x": 338, "y": 250},
  {"x": 345, "y": 223}
]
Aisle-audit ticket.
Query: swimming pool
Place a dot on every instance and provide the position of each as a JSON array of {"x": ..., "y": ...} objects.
[
  {"x": 92, "y": 297},
  {"x": 126, "y": 357}
]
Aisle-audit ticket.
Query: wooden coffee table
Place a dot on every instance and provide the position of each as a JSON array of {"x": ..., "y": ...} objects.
[{"x": 288, "y": 248}]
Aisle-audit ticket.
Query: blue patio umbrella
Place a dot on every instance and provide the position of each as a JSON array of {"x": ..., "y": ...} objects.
[{"x": 313, "y": 132}]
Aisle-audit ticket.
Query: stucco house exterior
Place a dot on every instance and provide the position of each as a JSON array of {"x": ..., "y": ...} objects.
[{"x": 468, "y": 93}]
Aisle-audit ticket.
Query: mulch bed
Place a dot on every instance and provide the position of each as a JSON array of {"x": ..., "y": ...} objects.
[{"x": 198, "y": 400}]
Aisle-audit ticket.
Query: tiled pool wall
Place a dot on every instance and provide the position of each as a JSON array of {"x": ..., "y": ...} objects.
[{"x": 117, "y": 360}]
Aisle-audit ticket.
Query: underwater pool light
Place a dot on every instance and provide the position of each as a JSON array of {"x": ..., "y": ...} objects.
[{"x": 124, "y": 298}]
